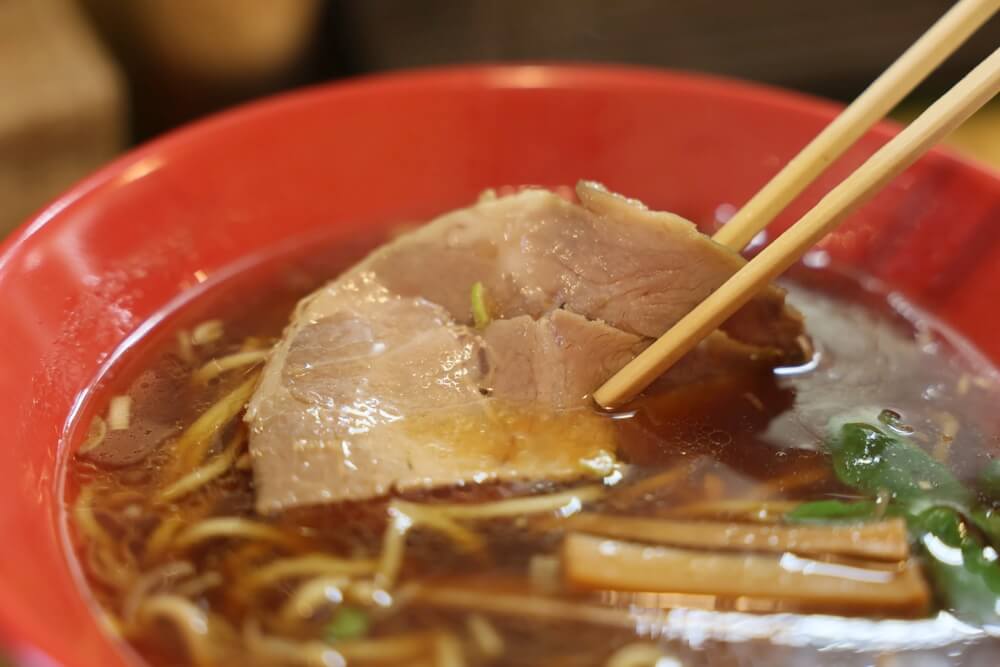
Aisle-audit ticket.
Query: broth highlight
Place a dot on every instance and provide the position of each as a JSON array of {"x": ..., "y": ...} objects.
[{"x": 161, "y": 507}]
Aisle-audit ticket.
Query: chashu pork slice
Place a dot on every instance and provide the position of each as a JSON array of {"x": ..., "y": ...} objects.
[
  {"x": 380, "y": 384},
  {"x": 370, "y": 392},
  {"x": 556, "y": 360},
  {"x": 608, "y": 258}
]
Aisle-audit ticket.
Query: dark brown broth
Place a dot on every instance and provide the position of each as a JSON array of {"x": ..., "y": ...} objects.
[{"x": 736, "y": 431}]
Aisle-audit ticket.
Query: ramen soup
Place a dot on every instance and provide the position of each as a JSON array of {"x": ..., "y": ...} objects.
[{"x": 396, "y": 462}]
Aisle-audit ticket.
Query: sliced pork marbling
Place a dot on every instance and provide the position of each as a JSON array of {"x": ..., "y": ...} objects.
[
  {"x": 556, "y": 360},
  {"x": 608, "y": 258},
  {"x": 380, "y": 384},
  {"x": 370, "y": 392}
]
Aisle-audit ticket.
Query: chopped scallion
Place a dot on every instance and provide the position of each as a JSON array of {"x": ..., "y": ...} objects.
[
  {"x": 347, "y": 623},
  {"x": 830, "y": 511},
  {"x": 480, "y": 306}
]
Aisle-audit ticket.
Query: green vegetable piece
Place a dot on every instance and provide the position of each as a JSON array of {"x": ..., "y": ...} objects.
[
  {"x": 833, "y": 511},
  {"x": 480, "y": 307},
  {"x": 964, "y": 571},
  {"x": 942, "y": 522},
  {"x": 347, "y": 623},
  {"x": 988, "y": 521},
  {"x": 873, "y": 461},
  {"x": 989, "y": 480},
  {"x": 940, "y": 513}
]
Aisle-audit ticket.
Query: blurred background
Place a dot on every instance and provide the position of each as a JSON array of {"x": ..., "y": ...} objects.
[{"x": 82, "y": 80}]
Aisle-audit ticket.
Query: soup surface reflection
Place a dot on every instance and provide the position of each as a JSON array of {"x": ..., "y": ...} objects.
[{"x": 752, "y": 515}]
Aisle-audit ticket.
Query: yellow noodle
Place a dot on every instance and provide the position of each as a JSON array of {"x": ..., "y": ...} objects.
[
  {"x": 198, "y": 585},
  {"x": 83, "y": 514},
  {"x": 448, "y": 650},
  {"x": 311, "y": 596},
  {"x": 790, "y": 482},
  {"x": 395, "y": 649},
  {"x": 393, "y": 545},
  {"x": 192, "y": 623},
  {"x": 217, "y": 367},
  {"x": 104, "y": 565},
  {"x": 751, "y": 509},
  {"x": 120, "y": 497},
  {"x": 569, "y": 501},
  {"x": 663, "y": 481},
  {"x": 655, "y": 484},
  {"x": 484, "y": 635},
  {"x": 184, "y": 349},
  {"x": 516, "y": 605},
  {"x": 244, "y": 462},
  {"x": 308, "y": 566},
  {"x": 398, "y": 647},
  {"x": 304, "y": 654},
  {"x": 201, "y": 476},
  {"x": 405, "y": 515},
  {"x": 256, "y": 343},
  {"x": 641, "y": 654},
  {"x": 149, "y": 581},
  {"x": 430, "y": 517},
  {"x": 100, "y": 548},
  {"x": 194, "y": 442},
  {"x": 95, "y": 435},
  {"x": 207, "y": 332},
  {"x": 163, "y": 535},
  {"x": 110, "y": 624},
  {"x": 230, "y": 527}
]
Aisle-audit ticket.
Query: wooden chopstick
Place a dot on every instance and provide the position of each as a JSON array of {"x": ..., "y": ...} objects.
[
  {"x": 940, "y": 41},
  {"x": 968, "y": 95}
]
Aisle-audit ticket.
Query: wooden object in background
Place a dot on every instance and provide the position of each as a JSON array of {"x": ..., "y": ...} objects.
[
  {"x": 62, "y": 104},
  {"x": 933, "y": 47},
  {"x": 186, "y": 58},
  {"x": 219, "y": 40}
]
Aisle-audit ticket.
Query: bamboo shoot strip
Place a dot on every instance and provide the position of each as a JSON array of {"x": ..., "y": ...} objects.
[
  {"x": 594, "y": 563},
  {"x": 518, "y": 605},
  {"x": 745, "y": 509},
  {"x": 884, "y": 540}
]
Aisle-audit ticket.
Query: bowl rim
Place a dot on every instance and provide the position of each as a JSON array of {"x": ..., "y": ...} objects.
[{"x": 486, "y": 76}]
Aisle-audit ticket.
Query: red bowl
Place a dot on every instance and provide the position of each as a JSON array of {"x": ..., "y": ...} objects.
[{"x": 80, "y": 279}]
